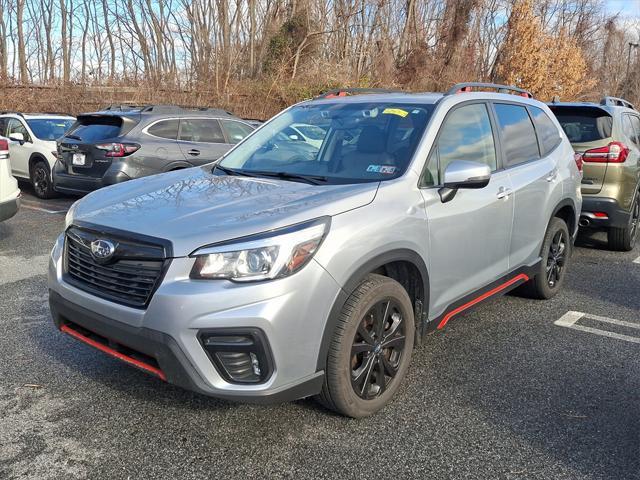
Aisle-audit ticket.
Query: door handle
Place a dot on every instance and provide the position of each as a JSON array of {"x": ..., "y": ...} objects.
[
  {"x": 504, "y": 193},
  {"x": 194, "y": 152},
  {"x": 552, "y": 175}
]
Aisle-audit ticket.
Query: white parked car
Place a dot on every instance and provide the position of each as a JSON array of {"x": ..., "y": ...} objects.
[
  {"x": 312, "y": 134},
  {"x": 9, "y": 191},
  {"x": 32, "y": 143}
]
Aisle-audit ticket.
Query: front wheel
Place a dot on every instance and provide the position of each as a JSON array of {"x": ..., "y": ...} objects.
[
  {"x": 624, "y": 239},
  {"x": 371, "y": 348},
  {"x": 41, "y": 180},
  {"x": 556, "y": 251}
]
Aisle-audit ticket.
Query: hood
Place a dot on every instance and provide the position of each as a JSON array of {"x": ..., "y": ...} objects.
[{"x": 194, "y": 207}]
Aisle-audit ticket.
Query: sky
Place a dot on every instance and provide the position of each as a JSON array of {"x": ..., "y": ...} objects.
[{"x": 626, "y": 8}]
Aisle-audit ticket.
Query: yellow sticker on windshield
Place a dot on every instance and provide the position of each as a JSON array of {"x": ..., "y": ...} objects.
[{"x": 396, "y": 111}]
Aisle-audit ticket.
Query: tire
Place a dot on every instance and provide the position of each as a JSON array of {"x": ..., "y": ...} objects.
[
  {"x": 40, "y": 176},
  {"x": 352, "y": 384},
  {"x": 624, "y": 239},
  {"x": 540, "y": 286}
]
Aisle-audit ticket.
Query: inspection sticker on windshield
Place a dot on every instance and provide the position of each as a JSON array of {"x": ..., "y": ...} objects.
[
  {"x": 385, "y": 169},
  {"x": 395, "y": 111}
]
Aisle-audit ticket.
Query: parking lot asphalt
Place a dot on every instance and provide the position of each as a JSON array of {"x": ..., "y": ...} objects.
[{"x": 501, "y": 393}]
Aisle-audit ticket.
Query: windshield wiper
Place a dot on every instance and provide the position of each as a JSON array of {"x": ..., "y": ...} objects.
[
  {"x": 311, "y": 179},
  {"x": 73, "y": 137},
  {"x": 231, "y": 171}
]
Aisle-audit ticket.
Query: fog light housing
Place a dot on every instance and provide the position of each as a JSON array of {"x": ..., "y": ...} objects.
[{"x": 240, "y": 356}]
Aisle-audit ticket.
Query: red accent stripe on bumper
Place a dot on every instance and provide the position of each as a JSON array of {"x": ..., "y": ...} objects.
[
  {"x": 482, "y": 297},
  {"x": 110, "y": 351}
]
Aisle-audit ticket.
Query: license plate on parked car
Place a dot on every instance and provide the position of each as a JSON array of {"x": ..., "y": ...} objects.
[{"x": 78, "y": 159}]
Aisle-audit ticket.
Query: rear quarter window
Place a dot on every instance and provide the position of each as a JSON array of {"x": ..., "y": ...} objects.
[
  {"x": 584, "y": 124},
  {"x": 547, "y": 131},
  {"x": 164, "y": 129}
]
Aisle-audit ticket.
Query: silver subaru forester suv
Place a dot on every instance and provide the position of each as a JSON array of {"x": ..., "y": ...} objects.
[{"x": 291, "y": 269}]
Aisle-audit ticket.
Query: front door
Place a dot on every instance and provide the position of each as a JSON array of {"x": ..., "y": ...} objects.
[
  {"x": 19, "y": 152},
  {"x": 469, "y": 236}
]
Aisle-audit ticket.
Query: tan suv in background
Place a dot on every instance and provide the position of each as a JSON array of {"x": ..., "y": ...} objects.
[{"x": 608, "y": 137}]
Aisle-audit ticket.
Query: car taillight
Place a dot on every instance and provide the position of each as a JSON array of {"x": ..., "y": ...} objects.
[
  {"x": 615, "y": 152},
  {"x": 4, "y": 148},
  {"x": 118, "y": 149},
  {"x": 577, "y": 157}
]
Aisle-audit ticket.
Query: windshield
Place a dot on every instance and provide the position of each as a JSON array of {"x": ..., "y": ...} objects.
[
  {"x": 50, "y": 128},
  {"x": 350, "y": 143}
]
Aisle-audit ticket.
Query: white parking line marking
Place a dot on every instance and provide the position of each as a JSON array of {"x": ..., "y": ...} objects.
[
  {"x": 569, "y": 320},
  {"x": 40, "y": 209},
  {"x": 637, "y": 260}
]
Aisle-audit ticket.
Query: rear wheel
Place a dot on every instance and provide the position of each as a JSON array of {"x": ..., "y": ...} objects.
[
  {"x": 624, "y": 239},
  {"x": 41, "y": 180},
  {"x": 556, "y": 250},
  {"x": 371, "y": 348}
]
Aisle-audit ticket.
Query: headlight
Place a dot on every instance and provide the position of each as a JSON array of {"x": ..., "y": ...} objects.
[{"x": 274, "y": 254}]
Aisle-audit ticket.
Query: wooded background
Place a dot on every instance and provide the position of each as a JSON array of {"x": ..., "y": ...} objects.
[{"x": 257, "y": 56}]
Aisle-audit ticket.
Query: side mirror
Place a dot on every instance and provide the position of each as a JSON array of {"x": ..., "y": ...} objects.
[
  {"x": 463, "y": 174},
  {"x": 294, "y": 137},
  {"x": 17, "y": 137}
]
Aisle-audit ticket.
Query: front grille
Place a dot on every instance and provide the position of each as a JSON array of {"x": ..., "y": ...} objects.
[{"x": 130, "y": 277}]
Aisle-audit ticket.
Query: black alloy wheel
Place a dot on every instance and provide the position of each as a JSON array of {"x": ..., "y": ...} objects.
[
  {"x": 41, "y": 180},
  {"x": 377, "y": 349},
  {"x": 370, "y": 349},
  {"x": 556, "y": 258}
]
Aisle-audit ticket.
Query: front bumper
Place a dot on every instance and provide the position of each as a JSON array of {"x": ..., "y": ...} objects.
[
  {"x": 291, "y": 312},
  {"x": 594, "y": 207},
  {"x": 9, "y": 208},
  {"x": 64, "y": 182}
]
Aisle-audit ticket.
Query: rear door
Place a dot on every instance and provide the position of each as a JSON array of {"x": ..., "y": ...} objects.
[
  {"x": 587, "y": 127},
  {"x": 533, "y": 171},
  {"x": 469, "y": 237},
  {"x": 201, "y": 140},
  {"x": 77, "y": 149}
]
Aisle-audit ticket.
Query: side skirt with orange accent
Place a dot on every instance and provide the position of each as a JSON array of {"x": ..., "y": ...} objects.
[{"x": 499, "y": 287}]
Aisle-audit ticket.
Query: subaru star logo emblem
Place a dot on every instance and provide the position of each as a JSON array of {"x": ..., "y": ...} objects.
[{"x": 102, "y": 249}]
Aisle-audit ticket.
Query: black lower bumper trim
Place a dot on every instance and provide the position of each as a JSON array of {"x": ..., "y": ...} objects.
[
  {"x": 616, "y": 215},
  {"x": 165, "y": 350},
  {"x": 82, "y": 184}
]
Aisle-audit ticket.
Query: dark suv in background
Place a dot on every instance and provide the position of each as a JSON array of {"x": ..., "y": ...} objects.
[{"x": 125, "y": 142}]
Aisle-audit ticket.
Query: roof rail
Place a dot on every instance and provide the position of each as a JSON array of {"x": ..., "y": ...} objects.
[
  {"x": 467, "y": 86},
  {"x": 11, "y": 112},
  {"x": 180, "y": 109},
  {"x": 166, "y": 109},
  {"x": 616, "y": 102},
  {"x": 125, "y": 107},
  {"x": 345, "y": 92}
]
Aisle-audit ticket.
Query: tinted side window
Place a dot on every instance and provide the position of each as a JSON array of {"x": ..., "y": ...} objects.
[
  {"x": 549, "y": 135},
  {"x": 517, "y": 134},
  {"x": 3, "y": 127},
  {"x": 235, "y": 131},
  {"x": 165, "y": 129},
  {"x": 466, "y": 134},
  {"x": 205, "y": 130},
  {"x": 635, "y": 123}
]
